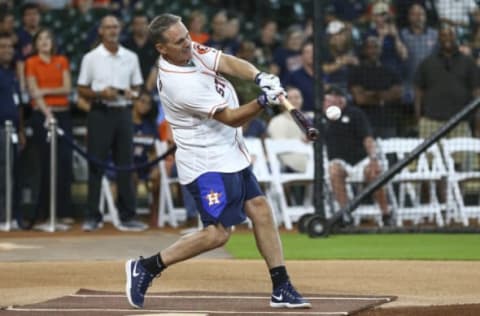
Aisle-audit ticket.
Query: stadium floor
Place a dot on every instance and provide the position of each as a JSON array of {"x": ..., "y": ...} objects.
[{"x": 36, "y": 267}]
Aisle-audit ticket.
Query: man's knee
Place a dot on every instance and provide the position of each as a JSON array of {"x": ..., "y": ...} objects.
[
  {"x": 217, "y": 236},
  {"x": 336, "y": 171},
  {"x": 258, "y": 210}
]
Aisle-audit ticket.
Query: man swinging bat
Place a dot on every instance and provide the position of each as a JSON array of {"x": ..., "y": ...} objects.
[{"x": 212, "y": 160}]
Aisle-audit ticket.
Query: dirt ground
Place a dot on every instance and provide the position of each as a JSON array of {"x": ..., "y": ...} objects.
[{"x": 37, "y": 277}]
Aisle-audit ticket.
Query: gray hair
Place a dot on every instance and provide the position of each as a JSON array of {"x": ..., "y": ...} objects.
[{"x": 159, "y": 25}]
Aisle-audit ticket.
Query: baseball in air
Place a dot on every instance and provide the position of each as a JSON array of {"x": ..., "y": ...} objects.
[{"x": 333, "y": 112}]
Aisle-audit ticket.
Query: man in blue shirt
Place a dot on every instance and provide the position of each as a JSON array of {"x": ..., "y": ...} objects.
[{"x": 8, "y": 107}]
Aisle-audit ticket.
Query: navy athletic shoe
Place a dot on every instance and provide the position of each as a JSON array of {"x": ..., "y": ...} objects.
[
  {"x": 138, "y": 280},
  {"x": 287, "y": 296}
]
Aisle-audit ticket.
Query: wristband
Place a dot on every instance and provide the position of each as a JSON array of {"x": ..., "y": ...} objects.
[{"x": 257, "y": 77}]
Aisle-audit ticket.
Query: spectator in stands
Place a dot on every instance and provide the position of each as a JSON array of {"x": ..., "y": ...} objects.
[
  {"x": 303, "y": 78},
  {"x": 49, "y": 84},
  {"x": 232, "y": 34},
  {"x": 393, "y": 51},
  {"x": 9, "y": 110},
  {"x": 287, "y": 58},
  {"x": 196, "y": 27},
  {"x": 30, "y": 25},
  {"x": 138, "y": 42},
  {"x": 420, "y": 41},
  {"x": 457, "y": 14},
  {"x": 7, "y": 24},
  {"x": 475, "y": 46},
  {"x": 340, "y": 57},
  {"x": 110, "y": 119},
  {"x": 445, "y": 82},
  {"x": 266, "y": 43},
  {"x": 402, "y": 11},
  {"x": 283, "y": 126},
  {"x": 145, "y": 132},
  {"x": 350, "y": 11},
  {"x": 351, "y": 150},
  {"x": 218, "y": 25},
  {"x": 376, "y": 89}
]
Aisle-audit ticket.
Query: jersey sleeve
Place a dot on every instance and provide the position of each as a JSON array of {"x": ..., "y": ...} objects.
[
  {"x": 208, "y": 56},
  {"x": 137, "y": 78},
  {"x": 85, "y": 76}
]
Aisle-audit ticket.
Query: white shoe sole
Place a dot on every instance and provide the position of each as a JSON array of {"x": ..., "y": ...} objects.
[
  {"x": 288, "y": 305},
  {"x": 128, "y": 285}
]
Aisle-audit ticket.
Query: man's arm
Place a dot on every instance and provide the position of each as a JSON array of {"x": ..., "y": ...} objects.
[
  {"x": 238, "y": 116},
  {"x": 370, "y": 147},
  {"x": 418, "y": 103},
  {"x": 237, "y": 67}
]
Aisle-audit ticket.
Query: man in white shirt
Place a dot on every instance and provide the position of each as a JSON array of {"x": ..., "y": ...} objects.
[
  {"x": 110, "y": 78},
  {"x": 213, "y": 162}
]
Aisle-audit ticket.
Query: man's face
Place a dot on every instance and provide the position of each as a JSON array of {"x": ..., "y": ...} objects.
[
  {"x": 295, "y": 97},
  {"x": 416, "y": 16},
  {"x": 110, "y": 30},
  {"x": 140, "y": 25},
  {"x": 178, "y": 46},
  {"x": 307, "y": 55},
  {"x": 6, "y": 51},
  {"x": 31, "y": 18},
  {"x": 447, "y": 39},
  {"x": 333, "y": 99}
]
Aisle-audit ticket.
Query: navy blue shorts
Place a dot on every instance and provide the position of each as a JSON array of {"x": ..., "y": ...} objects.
[{"x": 220, "y": 197}]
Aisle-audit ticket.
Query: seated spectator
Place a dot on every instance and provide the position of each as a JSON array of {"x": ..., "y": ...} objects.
[
  {"x": 145, "y": 133},
  {"x": 232, "y": 34},
  {"x": 351, "y": 149},
  {"x": 376, "y": 89},
  {"x": 218, "y": 29},
  {"x": 266, "y": 43},
  {"x": 393, "y": 51},
  {"x": 196, "y": 27},
  {"x": 287, "y": 58},
  {"x": 303, "y": 78},
  {"x": 340, "y": 56},
  {"x": 283, "y": 126}
]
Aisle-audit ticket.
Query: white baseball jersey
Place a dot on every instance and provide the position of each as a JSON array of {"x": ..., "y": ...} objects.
[{"x": 190, "y": 97}]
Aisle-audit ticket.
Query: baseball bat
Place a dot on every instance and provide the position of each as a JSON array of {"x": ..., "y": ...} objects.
[{"x": 305, "y": 124}]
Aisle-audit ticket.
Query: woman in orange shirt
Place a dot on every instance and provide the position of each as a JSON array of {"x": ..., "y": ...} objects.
[{"x": 49, "y": 84}]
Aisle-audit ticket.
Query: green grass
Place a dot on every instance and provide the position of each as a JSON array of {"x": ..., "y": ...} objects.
[{"x": 381, "y": 246}]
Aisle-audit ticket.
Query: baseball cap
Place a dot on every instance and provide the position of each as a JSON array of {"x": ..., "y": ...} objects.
[
  {"x": 380, "y": 8},
  {"x": 335, "y": 27},
  {"x": 335, "y": 90}
]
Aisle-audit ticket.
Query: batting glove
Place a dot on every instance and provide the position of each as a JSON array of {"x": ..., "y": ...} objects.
[
  {"x": 267, "y": 81},
  {"x": 270, "y": 97}
]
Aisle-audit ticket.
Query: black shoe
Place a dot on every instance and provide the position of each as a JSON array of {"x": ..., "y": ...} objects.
[
  {"x": 388, "y": 220},
  {"x": 90, "y": 225}
]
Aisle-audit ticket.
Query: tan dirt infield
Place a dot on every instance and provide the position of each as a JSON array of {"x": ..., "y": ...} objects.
[{"x": 415, "y": 283}]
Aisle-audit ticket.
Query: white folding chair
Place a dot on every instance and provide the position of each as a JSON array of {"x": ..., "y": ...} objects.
[
  {"x": 427, "y": 169},
  {"x": 262, "y": 171},
  {"x": 167, "y": 211},
  {"x": 275, "y": 148},
  {"x": 458, "y": 180},
  {"x": 107, "y": 203}
]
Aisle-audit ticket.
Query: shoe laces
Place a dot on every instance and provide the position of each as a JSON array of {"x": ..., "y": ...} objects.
[{"x": 290, "y": 291}]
